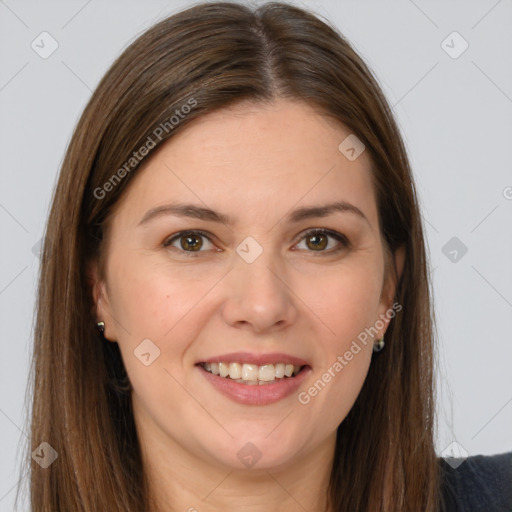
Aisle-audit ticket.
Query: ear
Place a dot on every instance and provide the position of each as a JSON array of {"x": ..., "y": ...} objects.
[
  {"x": 101, "y": 309},
  {"x": 394, "y": 271}
]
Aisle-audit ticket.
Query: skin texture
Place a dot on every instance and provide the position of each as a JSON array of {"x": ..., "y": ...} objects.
[{"x": 254, "y": 163}]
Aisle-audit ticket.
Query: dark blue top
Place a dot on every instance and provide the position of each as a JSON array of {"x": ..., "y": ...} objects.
[{"x": 480, "y": 483}]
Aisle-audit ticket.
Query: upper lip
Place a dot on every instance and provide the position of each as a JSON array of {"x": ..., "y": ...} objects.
[{"x": 257, "y": 359}]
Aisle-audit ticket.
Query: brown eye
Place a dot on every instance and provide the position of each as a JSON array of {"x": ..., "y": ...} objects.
[
  {"x": 319, "y": 239},
  {"x": 189, "y": 241}
]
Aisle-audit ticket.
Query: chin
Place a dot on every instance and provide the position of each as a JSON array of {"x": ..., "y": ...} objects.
[{"x": 260, "y": 451}]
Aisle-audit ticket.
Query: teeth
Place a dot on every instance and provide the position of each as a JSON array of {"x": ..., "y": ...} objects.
[
  {"x": 249, "y": 372},
  {"x": 223, "y": 369},
  {"x": 266, "y": 372},
  {"x": 252, "y": 374},
  {"x": 235, "y": 371}
]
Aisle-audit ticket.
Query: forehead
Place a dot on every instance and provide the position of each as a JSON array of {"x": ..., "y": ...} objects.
[{"x": 255, "y": 159}]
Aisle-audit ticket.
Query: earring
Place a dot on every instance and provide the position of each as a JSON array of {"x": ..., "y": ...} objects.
[
  {"x": 101, "y": 327},
  {"x": 379, "y": 345}
]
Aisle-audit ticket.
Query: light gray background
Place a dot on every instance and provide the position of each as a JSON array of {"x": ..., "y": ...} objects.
[{"x": 456, "y": 117}]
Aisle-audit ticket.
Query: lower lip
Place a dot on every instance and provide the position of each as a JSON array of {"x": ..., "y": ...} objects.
[{"x": 256, "y": 394}]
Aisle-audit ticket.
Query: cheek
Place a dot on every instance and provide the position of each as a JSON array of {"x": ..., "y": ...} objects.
[
  {"x": 347, "y": 301},
  {"x": 157, "y": 314},
  {"x": 151, "y": 303},
  {"x": 151, "y": 298}
]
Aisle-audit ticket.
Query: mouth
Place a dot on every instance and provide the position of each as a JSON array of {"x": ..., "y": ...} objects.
[
  {"x": 253, "y": 374},
  {"x": 255, "y": 379}
]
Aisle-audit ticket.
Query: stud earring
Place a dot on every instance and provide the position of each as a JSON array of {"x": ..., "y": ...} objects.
[
  {"x": 101, "y": 327},
  {"x": 379, "y": 345}
]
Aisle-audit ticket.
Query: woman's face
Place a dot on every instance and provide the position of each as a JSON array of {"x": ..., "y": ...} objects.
[{"x": 256, "y": 290}]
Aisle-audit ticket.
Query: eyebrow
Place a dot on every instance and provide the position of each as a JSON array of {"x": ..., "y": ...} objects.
[{"x": 198, "y": 212}]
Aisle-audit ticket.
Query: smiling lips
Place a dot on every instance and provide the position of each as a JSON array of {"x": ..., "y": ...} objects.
[
  {"x": 249, "y": 368},
  {"x": 255, "y": 379},
  {"x": 251, "y": 373}
]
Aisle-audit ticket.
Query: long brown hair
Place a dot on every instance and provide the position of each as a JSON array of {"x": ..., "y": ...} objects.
[{"x": 202, "y": 59}]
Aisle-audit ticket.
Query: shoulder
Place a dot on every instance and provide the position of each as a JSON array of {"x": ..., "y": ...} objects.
[{"x": 479, "y": 482}]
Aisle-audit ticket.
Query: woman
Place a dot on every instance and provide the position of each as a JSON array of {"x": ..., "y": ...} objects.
[{"x": 234, "y": 308}]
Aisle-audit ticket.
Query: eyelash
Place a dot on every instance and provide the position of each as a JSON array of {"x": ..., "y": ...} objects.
[{"x": 344, "y": 241}]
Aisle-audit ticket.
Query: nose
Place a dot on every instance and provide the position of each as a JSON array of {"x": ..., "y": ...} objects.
[{"x": 258, "y": 297}]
